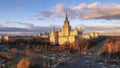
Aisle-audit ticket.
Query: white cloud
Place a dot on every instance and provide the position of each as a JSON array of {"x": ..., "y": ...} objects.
[
  {"x": 79, "y": 7},
  {"x": 1, "y": 25},
  {"x": 37, "y": 18},
  {"x": 59, "y": 10},
  {"x": 87, "y": 11},
  {"x": 94, "y": 5},
  {"x": 47, "y": 14},
  {"x": 103, "y": 29},
  {"x": 28, "y": 25}
]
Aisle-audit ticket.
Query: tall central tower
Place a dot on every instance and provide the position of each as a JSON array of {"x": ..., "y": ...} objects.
[
  {"x": 66, "y": 27},
  {"x": 66, "y": 35}
]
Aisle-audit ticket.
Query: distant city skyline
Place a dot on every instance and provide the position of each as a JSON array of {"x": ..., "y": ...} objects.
[{"x": 97, "y": 15}]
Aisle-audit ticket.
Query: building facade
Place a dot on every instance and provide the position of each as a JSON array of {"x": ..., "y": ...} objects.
[{"x": 65, "y": 35}]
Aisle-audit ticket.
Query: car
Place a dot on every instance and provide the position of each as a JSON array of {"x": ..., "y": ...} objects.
[
  {"x": 87, "y": 61},
  {"x": 101, "y": 63},
  {"x": 114, "y": 65},
  {"x": 104, "y": 66}
]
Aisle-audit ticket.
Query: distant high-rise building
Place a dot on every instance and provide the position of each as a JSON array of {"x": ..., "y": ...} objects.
[{"x": 66, "y": 34}]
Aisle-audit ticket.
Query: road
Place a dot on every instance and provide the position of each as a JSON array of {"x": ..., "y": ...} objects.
[{"x": 81, "y": 62}]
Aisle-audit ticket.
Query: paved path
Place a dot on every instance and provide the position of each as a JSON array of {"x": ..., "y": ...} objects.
[{"x": 80, "y": 62}]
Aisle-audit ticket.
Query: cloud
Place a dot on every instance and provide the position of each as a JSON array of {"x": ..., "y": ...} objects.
[
  {"x": 59, "y": 10},
  {"x": 1, "y": 25},
  {"x": 47, "y": 13},
  {"x": 94, "y": 10},
  {"x": 28, "y": 25},
  {"x": 102, "y": 29},
  {"x": 37, "y": 18}
]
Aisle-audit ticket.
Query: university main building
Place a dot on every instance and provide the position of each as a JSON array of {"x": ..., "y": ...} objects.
[{"x": 67, "y": 35}]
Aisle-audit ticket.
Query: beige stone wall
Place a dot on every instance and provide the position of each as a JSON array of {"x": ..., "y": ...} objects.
[
  {"x": 76, "y": 32},
  {"x": 0, "y": 37},
  {"x": 92, "y": 34},
  {"x": 66, "y": 30},
  {"x": 67, "y": 35},
  {"x": 72, "y": 33},
  {"x": 53, "y": 39},
  {"x": 6, "y": 38},
  {"x": 96, "y": 34},
  {"x": 60, "y": 34},
  {"x": 72, "y": 39},
  {"x": 62, "y": 39},
  {"x": 86, "y": 36},
  {"x": 64, "y": 36}
]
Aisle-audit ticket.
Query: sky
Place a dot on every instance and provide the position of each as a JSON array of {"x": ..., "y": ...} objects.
[{"x": 102, "y": 15}]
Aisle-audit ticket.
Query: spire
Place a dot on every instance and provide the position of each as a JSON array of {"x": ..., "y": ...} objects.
[
  {"x": 66, "y": 18},
  {"x": 66, "y": 22},
  {"x": 80, "y": 29},
  {"x": 76, "y": 28},
  {"x": 59, "y": 30},
  {"x": 53, "y": 31}
]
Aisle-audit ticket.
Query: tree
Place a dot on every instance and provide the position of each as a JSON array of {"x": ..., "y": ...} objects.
[{"x": 23, "y": 63}]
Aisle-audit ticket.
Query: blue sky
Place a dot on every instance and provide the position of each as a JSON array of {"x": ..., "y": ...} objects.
[{"x": 36, "y": 13}]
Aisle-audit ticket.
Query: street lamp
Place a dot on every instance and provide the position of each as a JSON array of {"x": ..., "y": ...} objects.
[{"x": 109, "y": 55}]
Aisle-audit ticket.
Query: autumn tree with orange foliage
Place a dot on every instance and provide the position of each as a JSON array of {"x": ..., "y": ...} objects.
[
  {"x": 84, "y": 44},
  {"x": 23, "y": 63},
  {"x": 112, "y": 46}
]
